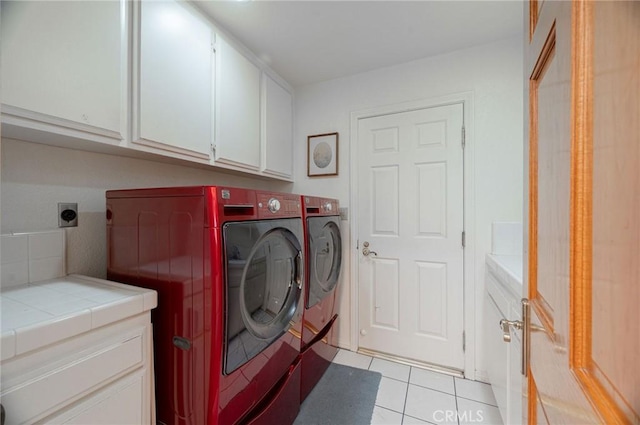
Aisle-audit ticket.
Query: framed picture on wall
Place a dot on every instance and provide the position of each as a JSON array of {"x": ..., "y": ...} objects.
[{"x": 322, "y": 155}]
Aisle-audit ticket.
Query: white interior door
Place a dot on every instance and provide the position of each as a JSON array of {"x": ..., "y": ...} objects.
[{"x": 410, "y": 198}]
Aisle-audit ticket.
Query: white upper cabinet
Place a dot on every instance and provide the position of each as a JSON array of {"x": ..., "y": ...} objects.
[
  {"x": 141, "y": 78},
  {"x": 62, "y": 69},
  {"x": 174, "y": 94},
  {"x": 237, "y": 141},
  {"x": 277, "y": 131}
]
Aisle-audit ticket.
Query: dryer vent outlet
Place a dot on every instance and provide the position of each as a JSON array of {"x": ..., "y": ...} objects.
[{"x": 67, "y": 214}]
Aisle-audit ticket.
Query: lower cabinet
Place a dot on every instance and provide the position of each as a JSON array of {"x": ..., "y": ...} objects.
[
  {"x": 120, "y": 403},
  {"x": 503, "y": 358},
  {"x": 100, "y": 377}
]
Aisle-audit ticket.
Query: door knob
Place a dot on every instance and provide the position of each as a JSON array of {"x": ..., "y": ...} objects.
[
  {"x": 366, "y": 251},
  {"x": 526, "y": 327}
]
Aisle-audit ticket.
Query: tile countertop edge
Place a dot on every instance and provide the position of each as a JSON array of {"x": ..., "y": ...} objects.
[{"x": 24, "y": 339}]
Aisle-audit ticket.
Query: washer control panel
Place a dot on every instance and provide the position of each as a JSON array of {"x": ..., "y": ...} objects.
[{"x": 321, "y": 206}]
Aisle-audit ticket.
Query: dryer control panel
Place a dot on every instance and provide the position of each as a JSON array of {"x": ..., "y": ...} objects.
[{"x": 277, "y": 205}]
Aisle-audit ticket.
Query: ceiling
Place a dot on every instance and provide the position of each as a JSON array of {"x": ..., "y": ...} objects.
[{"x": 311, "y": 41}]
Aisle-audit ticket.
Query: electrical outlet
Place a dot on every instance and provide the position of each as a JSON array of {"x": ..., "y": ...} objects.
[
  {"x": 344, "y": 213},
  {"x": 67, "y": 214}
]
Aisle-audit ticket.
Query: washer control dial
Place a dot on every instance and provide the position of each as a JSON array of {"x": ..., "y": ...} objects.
[
  {"x": 273, "y": 205},
  {"x": 327, "y": 207}
]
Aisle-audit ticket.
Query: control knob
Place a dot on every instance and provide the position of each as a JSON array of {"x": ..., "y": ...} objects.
[
  {"x": 327, "y": 207},
  {"x": 273, "y": 205}
]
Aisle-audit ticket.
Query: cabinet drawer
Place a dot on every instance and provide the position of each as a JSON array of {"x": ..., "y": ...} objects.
[
  {"x": 53, "y": 389},
  {"x": 120, "y": 403}
]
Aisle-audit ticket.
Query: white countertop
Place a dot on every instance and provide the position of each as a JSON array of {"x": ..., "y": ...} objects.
[
  {"x": 37, "y": 314},
  {"x": 508, "y": 269}
]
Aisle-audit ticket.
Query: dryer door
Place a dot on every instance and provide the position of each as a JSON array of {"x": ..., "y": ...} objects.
[
  {"x": 264, "y": 275},
  {"x": 325, "y": 257}
]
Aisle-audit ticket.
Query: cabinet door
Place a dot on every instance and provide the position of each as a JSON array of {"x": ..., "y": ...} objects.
[
  {"x": 278, "y": 139},
  {"x": 62, "y": 65},
  {"x": 237, "y": 108},
  {"x": 175, "y": 79}
]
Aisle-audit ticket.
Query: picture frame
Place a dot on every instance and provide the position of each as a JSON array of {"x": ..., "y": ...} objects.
[{"x": 322, "y": 155}]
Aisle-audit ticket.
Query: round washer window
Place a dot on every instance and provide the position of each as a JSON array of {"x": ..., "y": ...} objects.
[
  {"x": 327, "y": 256},
  {"x": 268, "y": 303}
]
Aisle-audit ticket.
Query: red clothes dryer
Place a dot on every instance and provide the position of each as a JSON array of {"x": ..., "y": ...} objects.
[
  {"x": 323, "y": 244},
  {"x": 228, "y": 266}
]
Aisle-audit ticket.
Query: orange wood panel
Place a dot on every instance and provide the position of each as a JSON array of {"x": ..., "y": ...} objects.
[
  {"x": 583, "y": 60},
  {"x": 615, "y": 169}
]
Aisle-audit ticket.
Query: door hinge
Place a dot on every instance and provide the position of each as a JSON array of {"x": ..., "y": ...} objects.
[
  {"x": 464, "y": 137},
  {"x": 464, "y": 341},
  {"x": 213, "y": 149},
  {"x": 464, "y": 239}
]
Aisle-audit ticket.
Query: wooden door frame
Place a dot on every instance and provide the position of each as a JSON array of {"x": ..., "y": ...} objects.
[{"x": 469, "y": 270}]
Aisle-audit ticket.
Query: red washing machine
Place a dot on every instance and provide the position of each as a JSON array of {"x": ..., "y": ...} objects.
[
  {"x": 323, "y": 244},
  {"x": 228, "y": 266}
]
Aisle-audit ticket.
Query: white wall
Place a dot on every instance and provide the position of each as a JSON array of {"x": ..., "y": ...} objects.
[
  {"x": 493, "y": 73},
  {"x": 36, "y": 177}
]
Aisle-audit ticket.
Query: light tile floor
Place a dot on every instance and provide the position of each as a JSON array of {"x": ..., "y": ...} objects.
[{"x": 409, "y": 395}]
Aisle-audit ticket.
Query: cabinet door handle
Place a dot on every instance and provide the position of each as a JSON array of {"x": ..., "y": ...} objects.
[{"x": 505, "y": 325}]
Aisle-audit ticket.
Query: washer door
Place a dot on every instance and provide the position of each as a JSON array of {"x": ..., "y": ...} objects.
[
  {"x": 325, "y": 257},
  {"x": 264, "y": 272}
]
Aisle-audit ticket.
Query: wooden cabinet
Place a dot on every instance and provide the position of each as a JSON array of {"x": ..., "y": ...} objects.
[
  {"x": 62, "y": 69},
  {"x": 173, "y": 94},
  {"x": 277, "y": 137},
  {"x": 237, "y": 141}
]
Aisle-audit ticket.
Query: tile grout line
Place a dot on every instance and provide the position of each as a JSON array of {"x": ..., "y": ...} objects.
[
  {"x": 386, "y": 408},
  {"x": 456, "y": 395},
  {"x": 408, "y": 382},
  {"x": 477, "y": 401},
  {"x": 418, "y": 419},
  {"x": 433, "y": 389},
  {"x": 473, "y": 399},
  {"x": 406, "y": 393}
]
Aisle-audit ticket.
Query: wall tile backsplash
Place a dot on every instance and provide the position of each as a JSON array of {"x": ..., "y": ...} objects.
[{"x": 31, "y": 257}]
